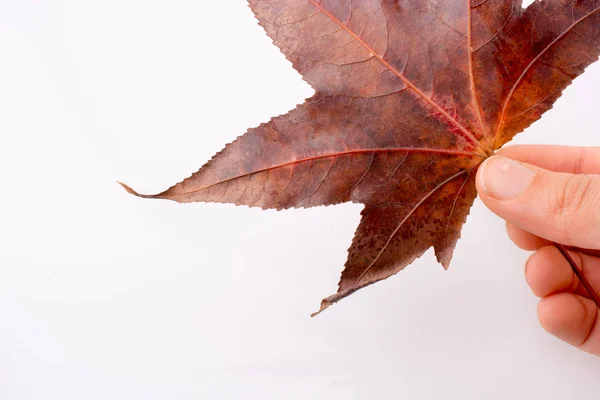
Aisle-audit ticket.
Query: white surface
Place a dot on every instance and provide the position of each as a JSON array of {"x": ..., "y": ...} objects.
[{"x": 105, "y": 296}]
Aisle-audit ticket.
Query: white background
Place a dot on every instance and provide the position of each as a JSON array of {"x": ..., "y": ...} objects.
[{"x": 106, "y": 296}]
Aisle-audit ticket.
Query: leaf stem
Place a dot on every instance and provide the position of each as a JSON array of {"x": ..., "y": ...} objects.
[{"x": 577, "y": 271}]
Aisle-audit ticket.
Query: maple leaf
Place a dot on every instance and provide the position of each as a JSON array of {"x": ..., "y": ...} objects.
[{"x": 411, "y": 96}]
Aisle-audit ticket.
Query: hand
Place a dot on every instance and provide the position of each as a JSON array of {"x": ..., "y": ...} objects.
[{"x": 552, "y": 194}]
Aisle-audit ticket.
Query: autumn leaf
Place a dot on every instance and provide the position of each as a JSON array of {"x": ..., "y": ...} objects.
[{"x": 411, "y": 96}]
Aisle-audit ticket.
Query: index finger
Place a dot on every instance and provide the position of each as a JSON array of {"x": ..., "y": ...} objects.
[{"x": 570, "y": 159}]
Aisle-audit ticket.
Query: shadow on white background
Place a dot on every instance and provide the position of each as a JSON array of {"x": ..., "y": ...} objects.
[{"x": 103, "y": 295}]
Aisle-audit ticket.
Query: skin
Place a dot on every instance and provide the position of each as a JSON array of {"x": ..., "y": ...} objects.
[{"x": 561, "y": 204}]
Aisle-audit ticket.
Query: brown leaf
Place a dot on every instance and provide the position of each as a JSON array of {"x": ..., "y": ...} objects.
[{"x": 411, "y": 96}]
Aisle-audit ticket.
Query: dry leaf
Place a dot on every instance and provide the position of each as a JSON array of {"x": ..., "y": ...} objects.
[{"x": 410, "y": 97}]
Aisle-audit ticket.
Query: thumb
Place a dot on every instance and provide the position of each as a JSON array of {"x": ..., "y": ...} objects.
[{"x": 559, "y": 207}]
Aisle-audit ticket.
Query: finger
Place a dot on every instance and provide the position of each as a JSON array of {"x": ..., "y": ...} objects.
[
  {"x": 572, "y": 319},
  {"x": 548, "y": 272},
  {"x": 573, "y": 160},
  {"x": 555, "y": 206},
  {"x": 525, "y": 240},
  {"x": 528, "y": 241},
  {"x": 594, "y": 253}
]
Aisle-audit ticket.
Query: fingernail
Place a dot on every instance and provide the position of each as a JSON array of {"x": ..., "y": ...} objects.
[{"x": 503, "y": 178}]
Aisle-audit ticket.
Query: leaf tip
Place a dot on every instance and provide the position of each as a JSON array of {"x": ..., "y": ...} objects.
[
  {"x": 325, "y": 304},
  {"x": 445, "y": 263},
  {"x": 133, "y": 192}
]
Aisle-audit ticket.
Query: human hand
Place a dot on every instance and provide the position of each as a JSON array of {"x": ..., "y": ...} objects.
[{"x": 552, "y": 195}]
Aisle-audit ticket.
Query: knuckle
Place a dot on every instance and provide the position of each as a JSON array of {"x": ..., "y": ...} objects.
[{"x": 574, "y": 203}]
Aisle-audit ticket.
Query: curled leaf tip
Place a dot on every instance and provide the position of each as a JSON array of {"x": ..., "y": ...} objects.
[
  {"x": 133, "y": 192},
  {"x": 325, "y": 304}
]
